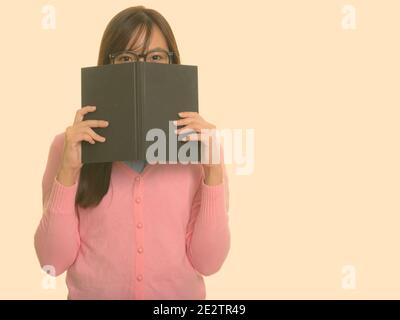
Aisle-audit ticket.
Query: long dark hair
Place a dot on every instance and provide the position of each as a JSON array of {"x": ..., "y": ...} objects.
[{"x": 94, "y": 179}]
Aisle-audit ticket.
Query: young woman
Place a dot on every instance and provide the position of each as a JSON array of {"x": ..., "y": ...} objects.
[{"x": 119, "y": 231}]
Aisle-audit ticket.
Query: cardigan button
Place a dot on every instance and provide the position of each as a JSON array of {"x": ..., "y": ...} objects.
[
  {"x": 137, "y": 178},
  {"x": 139, "y": 225},
  {"x": 140, "y": 250},
  {"x": 137, "y": 200},
  {"x": 139, "y": 277}
]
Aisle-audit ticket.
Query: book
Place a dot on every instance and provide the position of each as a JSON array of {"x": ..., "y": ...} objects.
[{"x": 140, "y": 100}]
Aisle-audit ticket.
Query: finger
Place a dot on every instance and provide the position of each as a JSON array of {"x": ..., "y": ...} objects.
[
  {"x": 93, "y": 123},
  {"x": 82, "y": 136},
  {"x": 82, "y": 111},
  {"x": 194, "y": 126},
  {"x": 182, "y": 122},
  {"x": 188, "y": 114},
  {"x": 193, "y": 137},
  {"x": 184, "y": 130},
  {"x": 94, "y": 135}
]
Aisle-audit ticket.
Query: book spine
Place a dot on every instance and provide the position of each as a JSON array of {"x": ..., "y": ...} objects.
[
  {"x": 134, "y": 72},
  {"x": 138, "y": 72},
  {"x": 140, "y": 105}
]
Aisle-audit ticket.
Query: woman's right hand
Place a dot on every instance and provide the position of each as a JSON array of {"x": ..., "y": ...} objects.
[{"x": 74, "y": 135}]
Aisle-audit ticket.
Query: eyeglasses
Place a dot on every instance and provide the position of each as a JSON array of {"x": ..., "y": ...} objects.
[{"x": 154, "y": 56}]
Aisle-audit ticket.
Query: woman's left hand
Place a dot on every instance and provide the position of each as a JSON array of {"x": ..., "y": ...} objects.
[{"x": 193, "y": 122}]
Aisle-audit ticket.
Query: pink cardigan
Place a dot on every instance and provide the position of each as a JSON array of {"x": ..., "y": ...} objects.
[{"x": 154, "y": 235}]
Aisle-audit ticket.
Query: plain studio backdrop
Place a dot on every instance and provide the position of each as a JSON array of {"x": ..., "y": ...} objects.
[{"x": 319, "y": 215}]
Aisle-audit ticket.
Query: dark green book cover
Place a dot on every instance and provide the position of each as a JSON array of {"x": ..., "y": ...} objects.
[{"x": 135, "y": 98}]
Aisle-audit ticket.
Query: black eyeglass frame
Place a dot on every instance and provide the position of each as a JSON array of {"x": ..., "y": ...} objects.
[{"x": 112, "y": 56}]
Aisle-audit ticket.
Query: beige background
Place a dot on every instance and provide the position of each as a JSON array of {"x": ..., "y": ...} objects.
[{"x": 324, "y": 103}]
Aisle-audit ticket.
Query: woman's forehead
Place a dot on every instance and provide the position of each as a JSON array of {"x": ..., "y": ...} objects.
[{"x": 157, "y": 40}]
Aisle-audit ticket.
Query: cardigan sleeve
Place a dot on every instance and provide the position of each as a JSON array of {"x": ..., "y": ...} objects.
[
  {"x": 56, "y": 239},
  {"x": 208, "y": 234}
]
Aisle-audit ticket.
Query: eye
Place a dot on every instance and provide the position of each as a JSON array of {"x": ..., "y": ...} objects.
[
  {"x": 125, "y": 58},
  {"x": 158, "y": 56}
]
